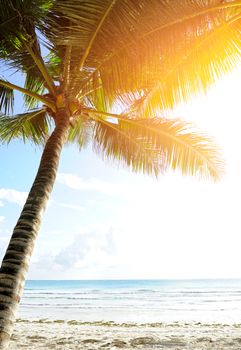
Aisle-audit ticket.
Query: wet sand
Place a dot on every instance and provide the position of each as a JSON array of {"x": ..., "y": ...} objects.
[{"x": 64, "y": 335}]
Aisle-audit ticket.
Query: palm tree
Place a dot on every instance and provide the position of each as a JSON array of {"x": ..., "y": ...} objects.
[{"x": 82, "y": 60}]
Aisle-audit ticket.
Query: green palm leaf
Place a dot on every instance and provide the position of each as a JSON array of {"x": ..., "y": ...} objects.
[
  {"x": 35, "y": 85},
  {"x": 154, "y": 145},
  {"x": 19, "y": 43},
  {"x": 143, "y": 42},
  {"x": 6, "y": 99},
  {"x": 113, "y": 143},
  {"x": 193, "y": 72},
  {"x": 80, "y": 131},
  {"x": 34, "y": 126}
]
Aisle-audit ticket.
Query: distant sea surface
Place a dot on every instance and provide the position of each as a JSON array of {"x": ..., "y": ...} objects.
[{"x": 138, "y": 301}]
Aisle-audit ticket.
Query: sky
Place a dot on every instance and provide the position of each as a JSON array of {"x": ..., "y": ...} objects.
[{"x": 104, "y": 222}]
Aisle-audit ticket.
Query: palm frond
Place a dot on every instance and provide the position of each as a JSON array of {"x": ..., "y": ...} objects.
[
  {"x": 35, "y": 85},
  {"x": 53, "y": 64},
  {"x": 95, "y": 32},
  {"x": 6, "y": 99},
  {"x": 206, "y": 61},
  {"x": 81, "y": 22},
  {"x": 81, "y": 131},
  {"x": 82, "y": 17},
  {"x": 162, "y": 37},
  {"x": 129, "y": 47},
  {"x": 32, "y": 94},
  {"x": 113, "y": 143},
  {"x": 96, "y": 97},
  {"x": 34, "y": 126},
  {"x": 154, "y": 145},
  {"x": 19, "y": 44}
]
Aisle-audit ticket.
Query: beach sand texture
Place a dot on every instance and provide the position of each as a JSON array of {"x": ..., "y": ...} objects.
[{"x": 64, "y": 335}]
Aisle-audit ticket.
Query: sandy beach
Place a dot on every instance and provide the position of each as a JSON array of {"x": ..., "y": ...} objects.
[
  {"x": 148, "y": 315},
  {"x": 60, "y": 334}
]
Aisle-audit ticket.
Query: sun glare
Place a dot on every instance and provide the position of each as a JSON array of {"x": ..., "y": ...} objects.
[
  {"x": 205, "y": 213},
  {"x": 218, "y": 109}
]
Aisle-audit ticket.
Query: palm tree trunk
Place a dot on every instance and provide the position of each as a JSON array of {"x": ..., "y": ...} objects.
[{"x": 16, "y": 260}]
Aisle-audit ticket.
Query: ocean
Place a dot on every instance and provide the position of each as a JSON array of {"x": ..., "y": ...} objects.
[{"x": 133, "y": 301}]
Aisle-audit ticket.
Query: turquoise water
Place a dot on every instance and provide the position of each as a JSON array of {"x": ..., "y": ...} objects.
[{"x": 134, "y": 300}]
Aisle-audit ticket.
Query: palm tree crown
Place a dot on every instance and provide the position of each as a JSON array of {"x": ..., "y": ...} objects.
[{"x": 140, "y": 57}]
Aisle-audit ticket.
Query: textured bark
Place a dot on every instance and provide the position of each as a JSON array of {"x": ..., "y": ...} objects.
[{"x": 16, "y": 260}]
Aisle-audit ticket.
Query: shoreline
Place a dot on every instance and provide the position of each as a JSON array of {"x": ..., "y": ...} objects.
[{"x": 109, "y": 335}]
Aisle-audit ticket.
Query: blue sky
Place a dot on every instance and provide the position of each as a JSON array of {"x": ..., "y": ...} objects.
[{"x": 105, "y": 222}]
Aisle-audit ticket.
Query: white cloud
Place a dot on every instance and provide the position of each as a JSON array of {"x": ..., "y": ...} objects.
[
  {"x": 87, "y": 249},
  {"x": 68, "y": 206},
  {"x": 92, "y": 248},
  {"x": 12, "y": 196},
  {"x": 77, "y": 183},
  {"x": 2, "y": 218}
]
